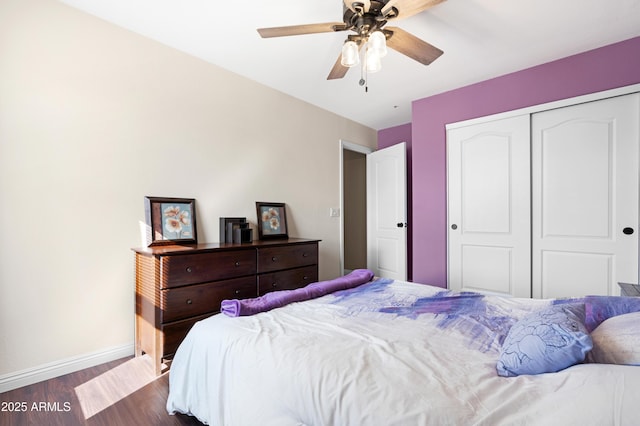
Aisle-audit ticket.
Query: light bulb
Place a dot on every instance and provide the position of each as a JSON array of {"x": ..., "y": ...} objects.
[
  {"x": 350, "y": 54},
  {"x": 378, "y": 42},
  {"x": 373, "y": 63}
]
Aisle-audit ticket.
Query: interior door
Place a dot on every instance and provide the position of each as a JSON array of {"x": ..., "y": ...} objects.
[
  {"x": 387, "y": 212},
  {"x": 585, "y": 205},
  {"x": 489, "y": 202}
]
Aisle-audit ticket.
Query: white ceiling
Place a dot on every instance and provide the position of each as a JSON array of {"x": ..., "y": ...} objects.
[{"x": 481, "y": 39}]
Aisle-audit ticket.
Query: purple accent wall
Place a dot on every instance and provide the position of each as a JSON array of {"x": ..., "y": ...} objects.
[
  {"x": 609, "y": 67},
  {"x": 394, "y": 135},
  {"x": 386, "y": 138}
]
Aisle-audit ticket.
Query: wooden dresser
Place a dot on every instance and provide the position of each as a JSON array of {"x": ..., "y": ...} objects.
[{"x": 179, "y": 285}]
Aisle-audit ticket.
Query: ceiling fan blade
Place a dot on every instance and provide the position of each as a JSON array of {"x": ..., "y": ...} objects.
[
  {"x": 408, "y": 8},
  {"x": 338, "y": 70},
  {"x": 351, "y": 4},
  {"x": 412, "y": 46},
  {"x": 301, "y": 29}
]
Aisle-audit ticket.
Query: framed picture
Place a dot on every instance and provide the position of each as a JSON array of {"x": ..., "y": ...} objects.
[
  {"x": 272, "y": 220},
  {"x": 170, "y": 220}
]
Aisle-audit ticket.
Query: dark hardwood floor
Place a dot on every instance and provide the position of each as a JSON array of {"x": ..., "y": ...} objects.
[{"x": 122, "y": 392}]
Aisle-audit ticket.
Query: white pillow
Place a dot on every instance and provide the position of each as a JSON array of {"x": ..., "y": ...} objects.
[{"x": 617, "y": 341}]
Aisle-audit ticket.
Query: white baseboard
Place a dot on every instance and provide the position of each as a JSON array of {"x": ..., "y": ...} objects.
[{"x": 48, "y": 371}]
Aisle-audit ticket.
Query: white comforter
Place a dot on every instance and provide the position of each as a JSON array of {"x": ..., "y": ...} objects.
[{"x": 376, "y": 355}]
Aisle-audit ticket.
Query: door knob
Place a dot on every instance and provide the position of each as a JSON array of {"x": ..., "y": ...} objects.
[
  {"x": 454, "y": 226},
  {"x": 401, "y": 225},
  {"x": 627, "y": 231}
]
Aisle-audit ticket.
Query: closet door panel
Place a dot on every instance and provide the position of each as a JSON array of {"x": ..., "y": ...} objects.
[
  {"x": 486, "y": 163},
  {"x": 585, "y": 193},
  {"x": 576, "y": 166},
  {"x": 489, "y": 207},
  {"x": 577, "y": 274},
  {"x": 488, "y": 268}
]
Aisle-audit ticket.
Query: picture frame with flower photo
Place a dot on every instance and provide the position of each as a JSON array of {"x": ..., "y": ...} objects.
[
  {"x": 170, "y": 220},
  {"x": 272, "y": 220}
]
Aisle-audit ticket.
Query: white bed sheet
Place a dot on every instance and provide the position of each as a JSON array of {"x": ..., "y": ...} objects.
[{"x": 365, "y": 358}]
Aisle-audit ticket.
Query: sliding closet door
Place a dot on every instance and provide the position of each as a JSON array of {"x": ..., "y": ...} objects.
[
  {"x": 585, "y": 198},
  {"x": 488, "y": 168}
]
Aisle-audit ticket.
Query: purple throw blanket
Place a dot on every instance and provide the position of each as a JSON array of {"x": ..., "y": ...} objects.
[{"x": 276, "y": 299}]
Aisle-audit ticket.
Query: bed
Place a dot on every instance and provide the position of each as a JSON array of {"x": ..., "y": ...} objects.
[{"x": 398, "y": 353}]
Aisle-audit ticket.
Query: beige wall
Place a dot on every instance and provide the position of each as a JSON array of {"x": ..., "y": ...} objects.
[{"x": 92, "y": 119}]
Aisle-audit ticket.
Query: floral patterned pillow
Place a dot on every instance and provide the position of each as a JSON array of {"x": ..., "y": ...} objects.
[{"x": 545, "y": 341}]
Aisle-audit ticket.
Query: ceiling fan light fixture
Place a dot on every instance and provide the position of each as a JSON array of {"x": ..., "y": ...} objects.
[
  {"x": 378, "y": 42},
  {"x": 350, "y": 54},
  {"x": 366, "y": 20},
  {"x": 372, "y": 61}
]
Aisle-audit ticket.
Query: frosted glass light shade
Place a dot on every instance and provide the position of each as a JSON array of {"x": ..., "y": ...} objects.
[
  {"x": 373, "y": 63},
  {"x": 350, "y": 54},
  {"x": 378, "y": 42}
]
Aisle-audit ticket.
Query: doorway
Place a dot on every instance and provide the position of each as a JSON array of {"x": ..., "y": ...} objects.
[{"x": 353, "y": 206}]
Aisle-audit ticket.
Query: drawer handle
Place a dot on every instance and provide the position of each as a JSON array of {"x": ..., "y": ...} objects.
[
  {"x": 274, "y": 259},
  {"x": 274, "y": 285},
  {"x": 189, "y": 269},
  {"x": 237, "y": 291},
  {"x": 305, "y": 278},
  {"x": 305, "y": 254},
  {"x": 237, "y": 264},
  {"x": 189, "y": 301}
]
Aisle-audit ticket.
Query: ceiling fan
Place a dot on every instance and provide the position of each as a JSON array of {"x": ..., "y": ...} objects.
[{"x": 367, "y": 19}]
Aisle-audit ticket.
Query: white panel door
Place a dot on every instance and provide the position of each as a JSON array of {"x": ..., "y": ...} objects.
[
  {"x": 387, "y": 212},
  {"x": 585, "y": 198},
  {"x": 489, "y": 207}
]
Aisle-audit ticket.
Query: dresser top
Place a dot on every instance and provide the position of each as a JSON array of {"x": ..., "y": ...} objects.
[
  {"x": 630, "y": 290},
  {"x": 173, "y": 249}
]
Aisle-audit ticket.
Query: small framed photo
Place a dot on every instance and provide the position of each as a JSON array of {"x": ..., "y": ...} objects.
[
  {"x": 272, "y": 220},
  {"x": 170, "y": 220}
]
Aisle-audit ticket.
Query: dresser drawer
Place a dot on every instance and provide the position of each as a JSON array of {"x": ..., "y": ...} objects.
[
  {"x": 174, "y": 333},
  {"x": 287, "y": 280},
  {"x": 284, "y": 257},
  {"x": 198, "y": 268},
  {"x": 184, "y": 302}
]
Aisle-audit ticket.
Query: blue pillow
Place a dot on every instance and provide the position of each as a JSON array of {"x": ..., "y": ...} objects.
[
  {"x": 600, "y": 308},
  {"x": 545, "y": 341}
]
